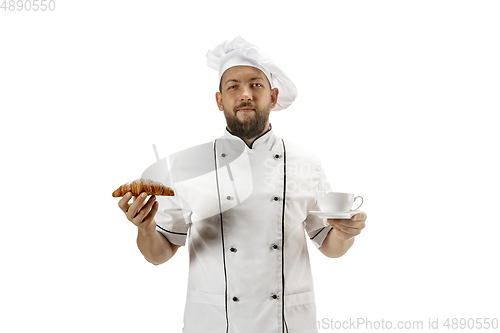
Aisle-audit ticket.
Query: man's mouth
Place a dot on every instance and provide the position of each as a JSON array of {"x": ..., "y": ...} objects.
[{"x": 245, "y": 109}]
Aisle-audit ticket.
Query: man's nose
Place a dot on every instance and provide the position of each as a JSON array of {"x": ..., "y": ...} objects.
[{"x": 246, "y": 94}]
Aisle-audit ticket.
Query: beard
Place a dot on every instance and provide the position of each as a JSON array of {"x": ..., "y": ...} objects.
[{"x": 250, "y": 127}]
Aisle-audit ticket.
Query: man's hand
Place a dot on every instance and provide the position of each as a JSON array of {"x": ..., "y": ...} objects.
[
  {"x": 348, "y": 228},
  {"x": 140, "y": 213},
  {"x": 154, "y": 246}
]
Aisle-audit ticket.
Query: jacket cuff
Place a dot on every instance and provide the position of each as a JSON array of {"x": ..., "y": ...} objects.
[
  {"x": 177, "y": 238},
  {"x": 320, "y": 236}
]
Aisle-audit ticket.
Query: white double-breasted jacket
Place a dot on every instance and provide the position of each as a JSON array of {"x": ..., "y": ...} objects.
[{"x": 245, "y": 213}]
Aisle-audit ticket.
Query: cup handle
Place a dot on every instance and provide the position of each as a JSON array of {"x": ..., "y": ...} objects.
[{"x": 361, "y": 202}]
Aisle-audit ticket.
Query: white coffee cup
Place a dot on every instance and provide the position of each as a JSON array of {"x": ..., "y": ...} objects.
[{"x": 336, "y": 201}]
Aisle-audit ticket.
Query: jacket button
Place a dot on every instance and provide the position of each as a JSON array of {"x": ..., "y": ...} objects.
[
  {"x": 229, "y": 197},
  {"x": 233, "y": 249},
  {"x": 223, "y": 155},
  {"x": 236, "y": 299},
  {"x": 275, "y": 246},
  {"x": 276, "y": 198},
  {"x": 274, "y": 296},
  {"x": 277, "y": 156}
]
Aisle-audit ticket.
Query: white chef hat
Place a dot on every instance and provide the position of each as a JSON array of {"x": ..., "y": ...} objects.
[{"x": 239, "y": 52}]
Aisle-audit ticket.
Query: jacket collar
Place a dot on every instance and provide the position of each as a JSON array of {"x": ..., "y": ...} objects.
[{"x": 265, "y": 141}]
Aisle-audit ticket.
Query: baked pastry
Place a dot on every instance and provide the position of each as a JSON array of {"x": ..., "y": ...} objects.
[{"x": 143, "y": 185}]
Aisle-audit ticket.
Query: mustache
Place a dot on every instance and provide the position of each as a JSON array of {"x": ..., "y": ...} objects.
[{"x": 245, "y": 105}]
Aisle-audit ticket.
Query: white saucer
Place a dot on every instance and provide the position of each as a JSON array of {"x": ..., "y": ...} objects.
[{"x": 335, "y": 215}]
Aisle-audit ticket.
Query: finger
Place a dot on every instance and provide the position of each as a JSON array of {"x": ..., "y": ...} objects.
[
  {"x": 333, "y": 222},
  {"x": 361, "y": 216},
  {"x": 151, "y": 215},
  {"x": 136, "y": 206},
  {"x": 123, "y": 203},
  {"x": 350, "y": 224},
  {"x": 338, "y": 220},
  {"x": 344, "y": 222},
  {"x": 347, "y": 230},
  {"x": 342, "y": 234},
  {"x": 138, "y": 219}
]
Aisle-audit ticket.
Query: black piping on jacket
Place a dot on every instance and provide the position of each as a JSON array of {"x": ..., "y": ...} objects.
[
  {"x": 222, "y": 237},
  {"x": 285, "y": 327},
  {"x": 172, "y": 232}
]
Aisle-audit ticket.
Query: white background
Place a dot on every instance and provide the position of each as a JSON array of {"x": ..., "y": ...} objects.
[{"x": 399, "y": 98}]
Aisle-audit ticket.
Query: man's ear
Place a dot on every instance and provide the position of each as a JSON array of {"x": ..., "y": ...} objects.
[
  {"x": 274, "y": 97},
  {"x": 218, "y": 97}
]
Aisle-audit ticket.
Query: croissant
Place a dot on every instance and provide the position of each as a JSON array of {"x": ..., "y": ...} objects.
[{"x": 143, "y": 185}]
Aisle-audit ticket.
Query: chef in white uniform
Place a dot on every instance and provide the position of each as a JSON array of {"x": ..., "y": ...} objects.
[{"x": 242, "y": 203}]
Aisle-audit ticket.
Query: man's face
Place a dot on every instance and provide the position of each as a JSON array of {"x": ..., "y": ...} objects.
[{"x": 246, "y": 98}]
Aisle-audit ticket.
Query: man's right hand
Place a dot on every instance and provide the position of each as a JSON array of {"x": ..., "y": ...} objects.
[
  {"x": 154, "y": 246},
  {"x": 140, "y": 212}
]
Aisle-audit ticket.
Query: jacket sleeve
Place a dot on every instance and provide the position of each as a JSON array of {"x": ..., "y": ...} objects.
[
  {"x": 318, "y": 228},
  {"x": 173, "y": 219}
]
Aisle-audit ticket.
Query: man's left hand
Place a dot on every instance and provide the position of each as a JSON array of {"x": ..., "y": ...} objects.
[{"x": 348, "y": 228}]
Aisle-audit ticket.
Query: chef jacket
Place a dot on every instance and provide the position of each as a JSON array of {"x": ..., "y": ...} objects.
[{"x": 247, "y": 223}]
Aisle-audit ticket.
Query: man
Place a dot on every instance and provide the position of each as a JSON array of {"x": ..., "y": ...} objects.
[{"x": 247, "y": 218}]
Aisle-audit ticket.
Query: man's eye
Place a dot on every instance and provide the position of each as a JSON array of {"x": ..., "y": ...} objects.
[
  {"x": 231, "y": 87},
  {"x": 256, "y": 84}
]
